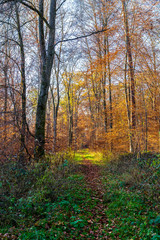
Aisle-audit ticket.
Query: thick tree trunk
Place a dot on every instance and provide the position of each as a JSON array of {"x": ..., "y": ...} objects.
[
  {"x": 47, "y": 57},
  {"x": 40, "y": 119}
]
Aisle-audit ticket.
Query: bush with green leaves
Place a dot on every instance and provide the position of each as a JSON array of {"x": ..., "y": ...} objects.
[{"x": 25, "y": 188}]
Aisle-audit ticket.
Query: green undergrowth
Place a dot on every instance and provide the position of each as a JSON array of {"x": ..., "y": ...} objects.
[
  {"x": 63, "y": 218},
  {"x": 132, "y": 195},
  {"x": 52, "y": 200},
  {"x": 131, "y": 215}
]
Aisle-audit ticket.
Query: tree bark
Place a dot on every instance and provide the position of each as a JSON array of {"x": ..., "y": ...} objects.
[
  {"x": 5, "y": 70},
  {"x": 110, "y": 94},
  {"x": 23, "y": 85},
  {"x": 104, "y": 86},
  {"x": 55, "y": 115},
  {"x": 146, "y": 121},
  {"x": 127, "y": 96},
  {"x": 70, "y": 111},
  {"x": 47, "y": 57},
  {"x": 93, "y": 127},
  {"x": 55, "y": 101},
  {"x": 131, "y": 70}
]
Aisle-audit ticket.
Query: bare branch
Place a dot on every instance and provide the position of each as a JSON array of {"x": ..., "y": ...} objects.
[
  {"x": 79, "y": 37},
  {"x": 60, "y": 5},
  {"x": 30, "y": 6},
  {"x": 12, "y": 60}
]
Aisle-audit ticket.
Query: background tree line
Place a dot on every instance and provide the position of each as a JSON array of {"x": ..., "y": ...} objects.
[{"x": 79, "y": 74}]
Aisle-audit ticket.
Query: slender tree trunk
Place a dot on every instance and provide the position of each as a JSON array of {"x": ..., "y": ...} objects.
[
  {"x": 70, "y": 111},
  {"x": 70, "y": 129},
  {"x": 131, "y": 70},
  {"x": 56, "y": 103},
  {"x": 91, "y": 112},
  {"x": 159, "y": 132},
  {"x": 156, "y": 89},
  {"x": 146, "y": 122},
  {"x": 104, "y": 87},
  {"x": 110, "y": 93},
  {"x": 5, "y": 70},
  {"x": 5, "y": 100},
  {"x": 76, "y": 125},
  {"x": 110, "y": 85},
  {"x": 48, "y": 119},
  {"x": 127, "y": 95},
  {"x": 107, "y": 62},
  {"x": 55, "y": 130},
  {"x": 23, "y": 84},
  {"x": 105, "y": 106},
  {"x": 55, "y": 115}
]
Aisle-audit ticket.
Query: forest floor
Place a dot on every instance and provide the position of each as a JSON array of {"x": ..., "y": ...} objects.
[
  {"x": 83, "y": 195},
  {"x": 92, "y": 174}
]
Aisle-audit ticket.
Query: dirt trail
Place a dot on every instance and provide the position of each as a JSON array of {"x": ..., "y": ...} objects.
[{"x": 92, "y": 174}]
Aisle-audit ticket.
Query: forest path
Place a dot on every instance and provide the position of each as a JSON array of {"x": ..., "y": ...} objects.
[{"x": 93, "y": 177}]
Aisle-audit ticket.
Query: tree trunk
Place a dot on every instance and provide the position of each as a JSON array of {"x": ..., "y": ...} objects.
[
  {"x": 56, "y": 103},
  {"x": 5, "y": 99},
  {"x": 54, "y": 130},
  {"x": 127, "y": 96},
  {"x": 23, "y": 85},
  {"x": 55, "y": 115},
  {"x": 75, "y": 126},
  {"x": 131, "y": 70},
  {"x": 47, "y": 57},
  {"x": 104, "y": 87},
  {"x": 93, "y": 127},
  {"x": 110, "y": 93},
  {"x": 70, "y": 111},
  {"x": 48, "y": 119},
  {"x": 146, "y": 122}
]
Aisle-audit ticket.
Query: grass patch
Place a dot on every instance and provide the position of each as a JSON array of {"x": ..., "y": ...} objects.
[{"x": 86, "y": 154}]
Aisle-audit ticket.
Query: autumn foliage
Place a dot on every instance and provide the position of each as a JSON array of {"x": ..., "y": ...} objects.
[{"x": 104, "y": 92}]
